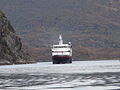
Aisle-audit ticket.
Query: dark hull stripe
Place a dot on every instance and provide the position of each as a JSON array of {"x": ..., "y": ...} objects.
[{"x": 61, "y": 59}]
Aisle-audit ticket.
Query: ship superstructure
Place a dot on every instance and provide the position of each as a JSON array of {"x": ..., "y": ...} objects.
[{"x": 62, "y": 53}]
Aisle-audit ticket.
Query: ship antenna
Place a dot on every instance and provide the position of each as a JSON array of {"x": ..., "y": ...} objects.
[{"x": 61, "y": 41}]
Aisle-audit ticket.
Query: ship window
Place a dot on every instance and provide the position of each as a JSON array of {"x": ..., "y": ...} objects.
[
  {"x": 61, "y": 47},
  {"x": 60, "y": 51}
]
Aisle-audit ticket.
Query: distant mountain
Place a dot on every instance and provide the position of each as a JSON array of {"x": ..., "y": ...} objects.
[
  {"x": 10, "y": 45},
  {"x": 93, "y": 26}
]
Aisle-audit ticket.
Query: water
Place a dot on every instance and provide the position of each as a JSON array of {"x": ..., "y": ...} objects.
[{"x": 81, "y": 75}]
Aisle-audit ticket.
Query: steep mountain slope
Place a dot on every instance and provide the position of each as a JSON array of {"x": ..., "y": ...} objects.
[
  {"x": 92, "y": 26},
  {"x": 10, "y": 45}
]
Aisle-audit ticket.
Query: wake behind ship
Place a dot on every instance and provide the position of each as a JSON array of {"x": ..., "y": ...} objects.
[{"x": 62, "y": 53}]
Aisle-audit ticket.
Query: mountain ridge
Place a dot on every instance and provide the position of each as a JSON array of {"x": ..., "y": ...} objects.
[{"x": 90, "y": 25}]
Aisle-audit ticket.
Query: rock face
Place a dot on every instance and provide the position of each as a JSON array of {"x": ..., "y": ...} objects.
[{"x": 10, "y": 45}]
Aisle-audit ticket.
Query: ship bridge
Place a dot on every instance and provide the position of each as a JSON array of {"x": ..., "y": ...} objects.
[{"x": 61, "y": 48}]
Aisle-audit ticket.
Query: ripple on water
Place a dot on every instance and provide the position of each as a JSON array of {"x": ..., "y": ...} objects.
[{"x": 59, "y": 81}]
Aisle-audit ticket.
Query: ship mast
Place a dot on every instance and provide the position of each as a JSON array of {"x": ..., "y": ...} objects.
[{"x": 60, "y": 40}]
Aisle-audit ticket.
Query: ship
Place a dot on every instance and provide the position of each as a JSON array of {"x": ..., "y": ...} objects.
[{"x": 61, "y": 53}]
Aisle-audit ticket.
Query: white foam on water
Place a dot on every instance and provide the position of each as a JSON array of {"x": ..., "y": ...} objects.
[{"x": 57, "y": 87}]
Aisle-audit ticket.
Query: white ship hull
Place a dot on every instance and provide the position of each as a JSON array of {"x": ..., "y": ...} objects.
[{"x": 62, "y": 53}]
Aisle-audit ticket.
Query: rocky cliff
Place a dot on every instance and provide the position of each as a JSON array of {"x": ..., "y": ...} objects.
[{"x": 10, "y": 44}]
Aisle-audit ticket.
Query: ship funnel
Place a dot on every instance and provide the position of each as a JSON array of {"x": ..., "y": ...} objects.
[{"x": 60, "y": 39}]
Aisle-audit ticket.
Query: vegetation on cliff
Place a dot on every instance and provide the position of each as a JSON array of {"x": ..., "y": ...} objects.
[{"x": 10, "y": 44}]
